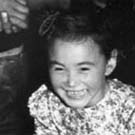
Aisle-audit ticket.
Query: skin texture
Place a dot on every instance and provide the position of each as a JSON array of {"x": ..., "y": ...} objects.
[{"x": 79, "y": 77}]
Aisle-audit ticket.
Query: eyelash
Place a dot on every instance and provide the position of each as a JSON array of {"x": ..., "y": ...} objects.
[
  {"x": 81, "y": 69},
  {"x": 84, "y": 69},
  {"x": 58, "y": 69}
]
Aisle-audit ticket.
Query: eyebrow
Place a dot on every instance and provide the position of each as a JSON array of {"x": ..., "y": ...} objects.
[
  {"x": 54, "y": 62},
  {"x": 79, "y": 64},
  {"x": 86, "y": 63}
]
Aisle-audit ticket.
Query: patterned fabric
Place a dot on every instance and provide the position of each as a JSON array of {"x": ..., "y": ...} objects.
[{"x": 113, "y": 115}]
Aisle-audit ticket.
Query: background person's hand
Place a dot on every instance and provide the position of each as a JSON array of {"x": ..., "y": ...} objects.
[
  {"x": 5, "y": 24},
  {"x": 17, "y": 12}
]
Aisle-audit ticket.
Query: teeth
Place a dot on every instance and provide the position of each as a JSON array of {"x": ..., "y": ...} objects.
[{"x": 76, "y": 94}]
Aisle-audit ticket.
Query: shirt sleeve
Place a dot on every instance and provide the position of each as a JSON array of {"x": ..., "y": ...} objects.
[
  {"x": 131, "y": 127},
  {"x": 39, "y": 110},
  {"x": 41, "y": 129}
]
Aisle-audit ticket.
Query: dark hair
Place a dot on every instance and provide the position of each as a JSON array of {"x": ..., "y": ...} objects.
[
  {"x": 110, "y": 28},
  {"x": 69, "y": 27}
]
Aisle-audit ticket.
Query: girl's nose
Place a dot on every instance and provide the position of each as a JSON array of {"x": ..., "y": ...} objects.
[{"x": 71, "y": 79}]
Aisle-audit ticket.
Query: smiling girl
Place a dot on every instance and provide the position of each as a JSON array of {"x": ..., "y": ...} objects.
[{"x": 81, "y": 99}]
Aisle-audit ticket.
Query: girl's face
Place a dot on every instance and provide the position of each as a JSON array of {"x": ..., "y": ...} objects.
[{"x": 77, "y": 72}]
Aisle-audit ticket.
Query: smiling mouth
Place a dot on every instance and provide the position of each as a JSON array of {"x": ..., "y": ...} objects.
[{"x": 76, "y": 94}]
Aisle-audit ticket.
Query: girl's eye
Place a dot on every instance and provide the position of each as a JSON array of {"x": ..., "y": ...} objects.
[
  {"x": 85, "y": 69},
  {"x": 58, "y": 69}
]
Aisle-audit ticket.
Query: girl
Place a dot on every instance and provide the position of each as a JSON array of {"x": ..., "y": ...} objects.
[{"x": 80, "y": 98}]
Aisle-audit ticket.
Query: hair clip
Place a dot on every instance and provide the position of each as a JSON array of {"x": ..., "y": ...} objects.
[{"x": 47, "y": 23}]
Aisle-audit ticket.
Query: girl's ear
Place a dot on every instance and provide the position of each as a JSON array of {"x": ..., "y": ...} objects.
[{"x": 112, "y": 62}]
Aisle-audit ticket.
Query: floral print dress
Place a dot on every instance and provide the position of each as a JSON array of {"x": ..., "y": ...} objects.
[{"x": 113, "y": 115}]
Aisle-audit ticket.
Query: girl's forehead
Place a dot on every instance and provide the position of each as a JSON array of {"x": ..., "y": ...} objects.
[
  {"x": 86, "y": 42},
  {"x": 72, "y": 53},
  {"x": 75, "y": 48}
]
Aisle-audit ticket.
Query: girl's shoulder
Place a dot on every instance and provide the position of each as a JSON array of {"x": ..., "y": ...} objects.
[
  {"x": 122, "y": 88},
  {"x": 125, "y": 93},
  {"x": 38, "y": 101},
  {"x": 37, "y": 95}
]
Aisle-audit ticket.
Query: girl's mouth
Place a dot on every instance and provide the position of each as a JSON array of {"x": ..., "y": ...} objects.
[{"x": 76, "y": 94}]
